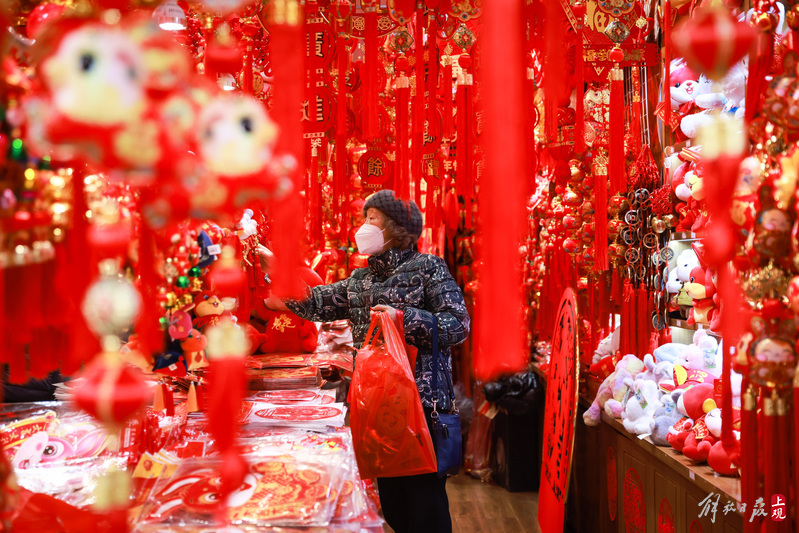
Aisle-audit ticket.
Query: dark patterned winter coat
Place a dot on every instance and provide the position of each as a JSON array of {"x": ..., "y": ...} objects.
[{"x": 418, "y": 284}]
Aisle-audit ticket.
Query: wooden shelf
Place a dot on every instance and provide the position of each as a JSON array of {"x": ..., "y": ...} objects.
[{"x": 702, "y": 475}]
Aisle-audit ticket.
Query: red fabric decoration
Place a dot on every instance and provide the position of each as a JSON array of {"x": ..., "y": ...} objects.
[
  {"x": 315, "y": 199},
  {"x": 501, "y": 196},
  {"x": 371, "y": 64},
  {"x": 402, "y": 185},
  {"x": 600, "y": 222},
  {"x": 667, "y": 61},
  {"x": 642, "y": 321},
  {"x": 432, "y": 73},
  {"x": 616, "y": 166},
  {"x": 635, "y": 121},
  {"x": 750, "y": 473},
  {"x": 226, "y": 378},
  {"x": 579, "y": 84},
  {"x": 760, "y": 61},
  {"x": 418, "y": 108},
  {"x": 446, "y": 96},
  {"x": 288, "y": 53},
  {"x": 340, "y": 175},
  {"x": 465, "y": 186}
]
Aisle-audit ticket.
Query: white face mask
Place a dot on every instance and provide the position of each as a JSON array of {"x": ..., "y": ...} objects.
[{"x": 369, "y": 239}]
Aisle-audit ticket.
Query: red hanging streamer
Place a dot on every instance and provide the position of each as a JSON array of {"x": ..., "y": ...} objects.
[
  {"x": 432, "y": 71},
  {"x": 372, "y": 63},
  {"x": 287, "y": 41},
  {"x": 642, "y": 321},
  {"x": 761, "y": 57},
  {"x": 340, "y": 174},
  {"x": 616, "y": 150},
  {"x": 446, "y": 96},
  {"x": 600, "y": 222},
  {"x": 635, "y": 121},
  {"x": 579, "y": 88},
  {"x": 501, "y": 199},
  {"x": 666, "y": 63},
  {"x": 418, "y": 108},
  {"x": 315, "y": 203},
  {"x": 403, "y": 182},
  {"x": 626, "y": 322}
]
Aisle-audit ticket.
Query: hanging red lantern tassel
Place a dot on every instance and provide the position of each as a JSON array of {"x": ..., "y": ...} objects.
[
  {"x": 502, "y": 202},
  {"x": 403, "y": 182},
  {"x": 771, "y": 447},
  {"x": 226, "y": 383},
  {"x": 418, "y": 107},
  {"x": 750, "y": 472},
  {"x": 616, "y": 165},
  {"x": 761, "y": 58},
  {"x": 371, "y": 64}
]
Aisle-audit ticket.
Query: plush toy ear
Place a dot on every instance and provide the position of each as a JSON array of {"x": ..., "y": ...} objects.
[{"x": 708, "y": 405}]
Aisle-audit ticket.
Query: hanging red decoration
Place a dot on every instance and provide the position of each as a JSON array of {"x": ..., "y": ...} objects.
[
  {"x": 712, "y": 41},
  {"x": 402, "y": 183},
  {"x": 501, "y": 197}
]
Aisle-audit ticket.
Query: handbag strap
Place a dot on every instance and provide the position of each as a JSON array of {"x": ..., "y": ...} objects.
[{"x": 437, "y": 363}]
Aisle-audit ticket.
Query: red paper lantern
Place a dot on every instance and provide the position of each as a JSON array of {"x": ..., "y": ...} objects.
[
  {"x": 713, "y": 41},
  {"x": 112, "y": 392}
]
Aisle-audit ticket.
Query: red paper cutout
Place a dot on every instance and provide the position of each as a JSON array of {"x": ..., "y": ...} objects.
[
  {"x": 634, "y": 505},
  {"x": 613, "y": 485},
  {"x": 665, "y": 517}
]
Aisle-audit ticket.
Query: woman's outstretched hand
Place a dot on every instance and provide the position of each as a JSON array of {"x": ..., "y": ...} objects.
[{"x": 392, "y": 313}]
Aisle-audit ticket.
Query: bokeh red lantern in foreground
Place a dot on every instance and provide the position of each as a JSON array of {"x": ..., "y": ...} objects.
[{"x": 713, "y": 41}]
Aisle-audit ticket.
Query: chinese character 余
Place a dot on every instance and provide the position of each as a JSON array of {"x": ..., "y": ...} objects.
[
  {"x": 709, "y": 505},
  {"x": 374, "y": 166},
  {"x": 758, "y": 509}
]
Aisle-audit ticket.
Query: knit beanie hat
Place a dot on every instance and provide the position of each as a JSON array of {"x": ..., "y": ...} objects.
[{"x": 405, "y": 214}]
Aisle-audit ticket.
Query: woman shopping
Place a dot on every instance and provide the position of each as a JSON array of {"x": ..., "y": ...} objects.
[{"x": 399, "y": 278}]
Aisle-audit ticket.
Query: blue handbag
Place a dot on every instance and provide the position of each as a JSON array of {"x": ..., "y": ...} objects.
[{"x": 446, "y": 426}]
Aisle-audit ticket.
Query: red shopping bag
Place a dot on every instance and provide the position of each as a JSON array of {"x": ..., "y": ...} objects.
[{"x": 389, "y": 430}]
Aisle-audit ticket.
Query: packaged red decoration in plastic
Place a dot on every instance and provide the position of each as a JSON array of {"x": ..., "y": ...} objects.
[
  {"x": 284, "y": 490},
  {"x": 389, "y": 429}
]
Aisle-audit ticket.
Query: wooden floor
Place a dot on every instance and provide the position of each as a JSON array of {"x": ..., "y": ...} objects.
[{"x": 478, "y": 507}]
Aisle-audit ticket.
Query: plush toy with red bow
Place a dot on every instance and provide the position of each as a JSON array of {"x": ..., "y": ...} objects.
[
  {"x": 685, "y": 86},
  {"x": 699, "y": 441},
  {"x": 691, "y": 405}
]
